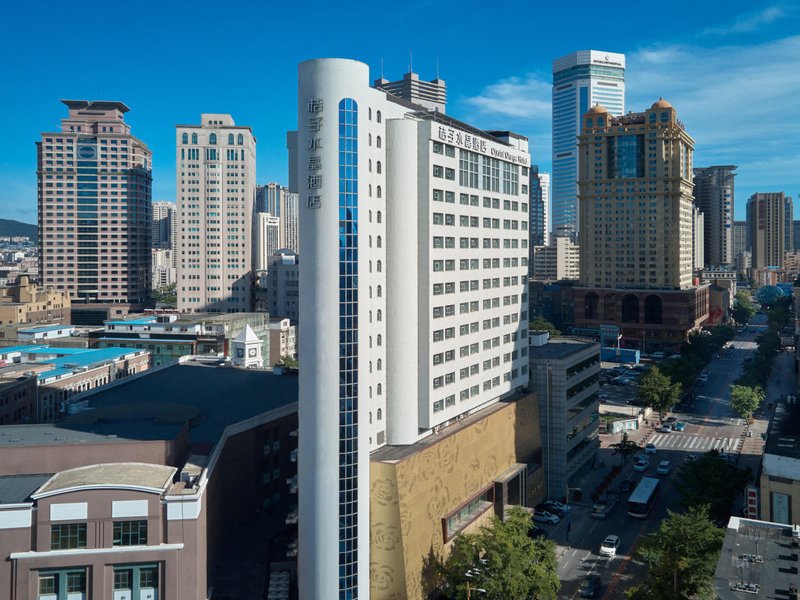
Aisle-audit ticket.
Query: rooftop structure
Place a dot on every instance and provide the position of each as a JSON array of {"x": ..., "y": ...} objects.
[{"x": 430, "y": 94}]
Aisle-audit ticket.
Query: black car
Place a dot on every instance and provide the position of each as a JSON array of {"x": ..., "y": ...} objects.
[{"x": 590, "y": 586}]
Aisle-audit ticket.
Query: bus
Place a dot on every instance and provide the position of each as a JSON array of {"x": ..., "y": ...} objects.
[{"x": 643, "y": 497}]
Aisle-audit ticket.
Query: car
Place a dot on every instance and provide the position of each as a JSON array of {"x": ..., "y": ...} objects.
[
  {"x": 641, "y": 465},
  {"x": 609, "y": 546},
  {"x": 703, "y": 378},
  {"x": 626, "y": 486},
  {"x": 536, "y": 532},
  {"x": 670, "y": 420},
  {"x": 679, "y": 426},
  {"x": 665, "y": 428},
  {"x": 690, "y": 458},
  {"x": 650, "y": 448},
  {"x": 544, "y": 516},
  {"x": 558, "y": 505},
  {"x": 590, "y": 586},
  {"x": 602, "y": 396},
  {"x": 549, "y": 508},
  {"x": 664, "y": 467}
]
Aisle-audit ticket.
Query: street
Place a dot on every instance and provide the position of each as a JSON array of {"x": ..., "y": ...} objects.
[{"x": 711, "y": 424}]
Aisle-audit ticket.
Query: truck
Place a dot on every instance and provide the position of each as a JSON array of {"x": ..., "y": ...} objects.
[{"x": 603, "y": 505}]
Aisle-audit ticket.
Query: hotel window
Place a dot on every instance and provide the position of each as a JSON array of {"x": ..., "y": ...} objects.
[
  {"x": 438, "y": 171},
  {"x": 450, "y": 151},
  {"x": 185, "y": 138},
  {"x": 378, "y": 141},
  {"x": 130, "y": 533},
  {"x": 55, "y": 585},
  {"x": 438, "y": 148},
  {"x": 230, "y": 139},
  {"x": 212, "y": 139}
]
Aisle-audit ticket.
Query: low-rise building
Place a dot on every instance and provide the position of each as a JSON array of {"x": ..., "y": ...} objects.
[
  {"x": 780, "y": 466},
  {"x": 283, "y": 284},
  {"x": 44, "y": 333},
  {"x": 282, "y": 340},
  {"x": 758, "y": 560},
  {"x": 24, "y": 302},
  {"x": 17, "y": 398},
  {"x": 559, "y": 261},
  {"x": 564, "y": 376},
  {"x": 133, "y": 496}
]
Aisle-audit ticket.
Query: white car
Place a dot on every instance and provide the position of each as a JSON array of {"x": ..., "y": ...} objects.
[
  {"x": 650, "y": 448},
  {"x": 641, "y": 465},
  {"x": 559, "y": 505},
  {"x": 665, "y": 428},
  {"x": 545, "y": 517},
  {"x": 609, "y": 546},
  {"x": 664, "y": 467}
]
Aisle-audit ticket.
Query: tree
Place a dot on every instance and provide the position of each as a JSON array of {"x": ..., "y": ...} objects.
[
  {"x": 746, "y": 400},
  {"x": 504, "y": 561},
  {"x": 657, "y": 391},
  {"x": 625, "y": 447},
  {"x": 743, "y": 308},
  {"x": 542, "y": 324},
  {"x": 288, "y": 362},
  {"x": 712, "y": 482},
  {"x": 681, "y": 556},
  {"x": 166, "y": 294}
]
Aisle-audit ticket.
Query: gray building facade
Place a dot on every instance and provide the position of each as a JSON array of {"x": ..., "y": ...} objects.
[{"x": 714, "y": 196}]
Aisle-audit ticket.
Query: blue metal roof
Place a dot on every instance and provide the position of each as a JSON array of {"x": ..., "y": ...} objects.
[
  {"x": 140, "y": 321},
  {"x": 44, "y": 328},
  {"x": 11, "y": 349},
  {"x": 56, "y": 350}
]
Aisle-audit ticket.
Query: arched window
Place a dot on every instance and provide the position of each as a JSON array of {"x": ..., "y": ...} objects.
[
  {"x": 378, "y": 166},
  {"x": 194, "y": 138},
  {"x": 369, "y": 165},
  {"x": 652, "y": 310},
  {"x": 370, "y": 215},
  {"x": 370, "y": 266},
  {"x": 230, "y": 139},
  {"x": 379, "y": 192},
  {"x": 379, "y": 365},
  {"x": 380, "y": 414},
  {"x": 370, "y": 366},
  {"x": 379, "y": 340},
  {"x": 370, "y": 417},
  {"x": 240, "y": 141},
  {"x": 370, "y": 316},
  {"x": 379, "y": 216},
  {"x": 380, "y": 266},
  {"x": 589, "y": 123},
  {"x": 369, "y": 190},
  {"x": 601, "y": 122},
  {"x": 369, "y": 139},
  {"x": 212, "y": 138},
  {"x": 370, "y": 291},
  {"x": 185, "y": 138},
  {"x": 369, "y": 113},
  {"x": 379, "y": 116},
  {"x": 370, "y": 345},
  {"x": 378, "y": 141},
  {"x": 630, "y": 309},
  {"x": 610, "y": 307},
  {"x": 591, "y": 301},
  {"x": 380, "y": 315},
  {"x": 370, "y": 391},
  {"x": 379, "y": 242},
  {"x": 380, "y": 291},
  {"x": 380, "y": 390}
]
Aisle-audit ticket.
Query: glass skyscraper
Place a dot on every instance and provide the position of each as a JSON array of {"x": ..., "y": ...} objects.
[{"x": 580, "y": 80}]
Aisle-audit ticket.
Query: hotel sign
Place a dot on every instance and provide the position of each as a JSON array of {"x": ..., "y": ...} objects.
[{"x": 475, "y": 143}]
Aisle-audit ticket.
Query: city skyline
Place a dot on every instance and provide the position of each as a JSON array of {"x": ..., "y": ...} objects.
[{"x": 744, "y": 55}]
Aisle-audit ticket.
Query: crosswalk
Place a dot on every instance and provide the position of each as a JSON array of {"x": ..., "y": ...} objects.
[{"x": 694, "y": 443}]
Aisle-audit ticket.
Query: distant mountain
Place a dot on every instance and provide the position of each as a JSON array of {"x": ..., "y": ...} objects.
[{"x": 9, "y": 227}]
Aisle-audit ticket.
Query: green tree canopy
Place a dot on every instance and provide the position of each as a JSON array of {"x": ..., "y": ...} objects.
[
  {"x": 682, "y": 557},
  {"x": 504, "y": 561},
  {"x": 657, "y": 391},
  {"x": 746, "y": 400},
  {"x": 743, "y": 307},
  {"x": 542, "y": 324},
  {"x": 712, "y": 482}
]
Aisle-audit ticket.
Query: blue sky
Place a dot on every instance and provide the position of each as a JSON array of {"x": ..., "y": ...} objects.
[{"x": 730, "y": 68}]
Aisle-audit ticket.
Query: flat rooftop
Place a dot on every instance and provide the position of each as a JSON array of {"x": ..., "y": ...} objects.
[
  {"x": 44, "y": 328},
  {"x": 756, "y": 553},
  {"x": 156, "y": 405},
  {"x": 141, "y": 475},
  {"x": 15, "y": 489},
  {"x": 783, "y": 436},
  {"x": 560, "y": 348}
]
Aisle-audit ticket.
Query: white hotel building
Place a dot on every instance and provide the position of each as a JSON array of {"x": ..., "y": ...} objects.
[{"x": 414, "y": 229}]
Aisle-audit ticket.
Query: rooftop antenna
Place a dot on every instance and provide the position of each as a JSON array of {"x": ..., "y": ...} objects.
[
  {"x": 381, "y": 67},
  {"x": 410, "y": 61},
  {"x": 437, "y": 67}
]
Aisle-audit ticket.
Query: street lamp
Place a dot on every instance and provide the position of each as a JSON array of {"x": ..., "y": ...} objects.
[{"x": 470, "y": 574}]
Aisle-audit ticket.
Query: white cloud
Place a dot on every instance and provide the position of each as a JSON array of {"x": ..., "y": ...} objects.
[{"x": 749, "y": 22}]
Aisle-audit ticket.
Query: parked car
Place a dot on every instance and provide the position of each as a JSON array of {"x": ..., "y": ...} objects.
[
  {"x": 690, "y": 458},
  {"x": 679, "y": 426},
  {"x": 559, "y": 505},
  {"x": 664, "y": 467},
  {"x": 544, "y": 516},
  {"x": 609, "y": 546},
  {"x": 602, "y": 396},
  {"x": 650, "y": 448},
  {"x": 703, "y": 378},
  {"x": 665, "y": 428},
  {"x": 553, "y": 510},
  {"x": 590, "y": 586},
  {"x": 641, "y": 465}
]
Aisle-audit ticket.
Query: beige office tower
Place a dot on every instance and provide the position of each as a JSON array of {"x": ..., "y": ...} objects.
[
  {"x": 635, "y": 201},
  {"x": 216, "y": 170},
  {"x": 766, "y": 215},
  {"x": 94, "y": 201},
  {"x": 278, "y": 201}
]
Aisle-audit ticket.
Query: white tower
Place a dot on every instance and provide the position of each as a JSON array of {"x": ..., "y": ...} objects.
[{"x": 246, "y": 349}]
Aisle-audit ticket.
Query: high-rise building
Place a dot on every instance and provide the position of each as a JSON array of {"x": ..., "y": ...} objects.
[
  {"x": 558, "y": 261},
  {"x": 714, "y": 195},
  {"x": 278, "y": 201},
  {"x": 796, "y": 234},
  {"x": 580, "y": 80},
  {"x": 540, "y": 202},
  {"x": 418, "y": 290},
  {"x": 739, "y": 238},
  {"x": 165, "y": 226},
  {"x": 283, "y": 282},
  {"x": 766, "y": 214},
  {"x": 99, "y": 176},
  {"x": 636, "y": 193},
  {"x": 788, "y": 221},
  {"x": 216, "y": 171},
  {"x": 698, "y": 238},
  {"x": 428, "y": 94},
  {"x": 268, "y": 240}
]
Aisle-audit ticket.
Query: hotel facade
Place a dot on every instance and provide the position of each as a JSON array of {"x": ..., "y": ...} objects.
[{"x": 414, "y": 228}]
